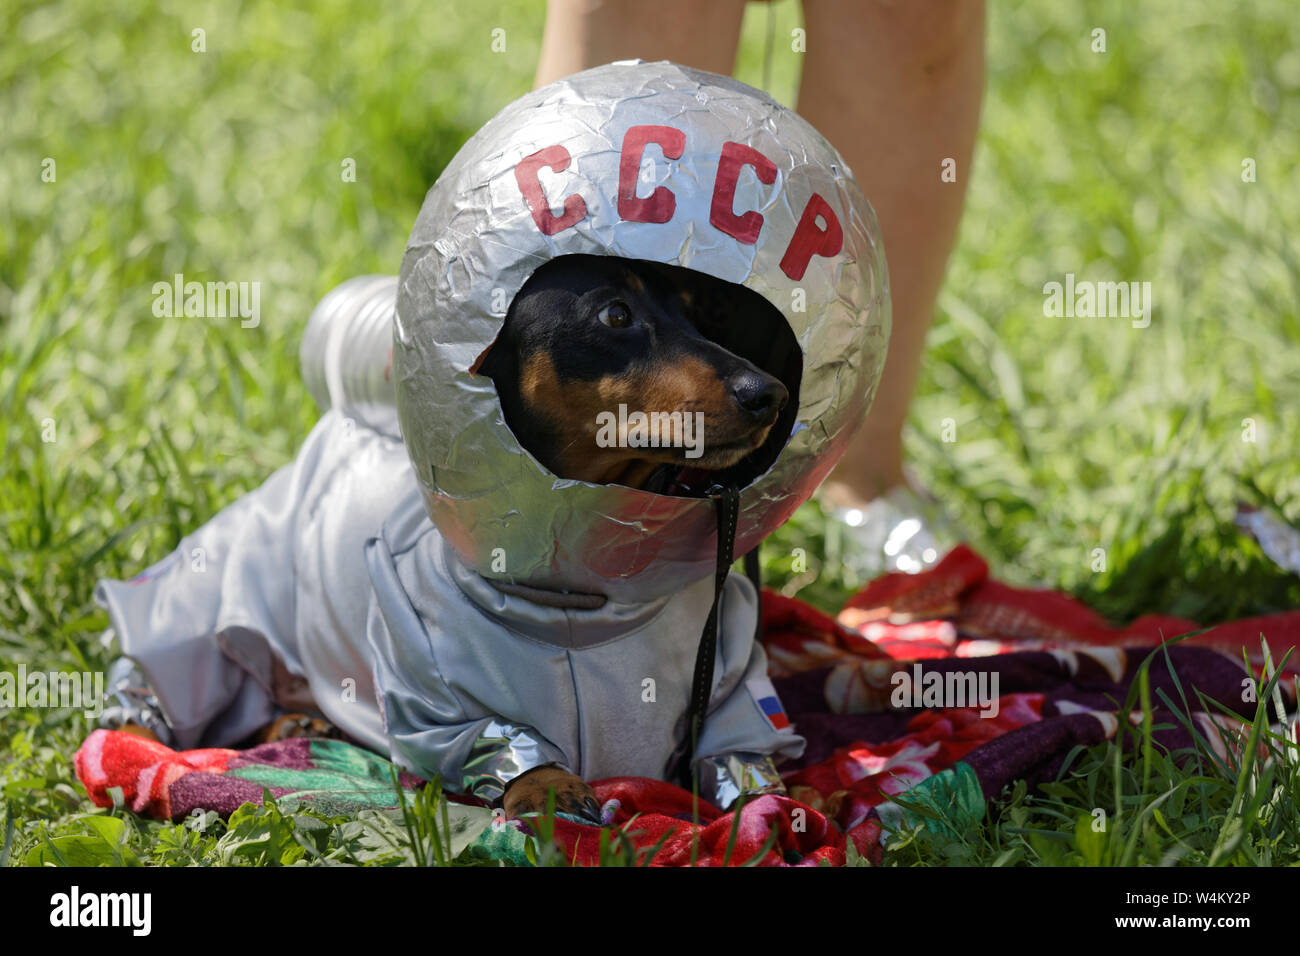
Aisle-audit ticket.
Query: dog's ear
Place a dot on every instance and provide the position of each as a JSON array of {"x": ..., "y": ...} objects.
[{"x": 491, "y": 361}]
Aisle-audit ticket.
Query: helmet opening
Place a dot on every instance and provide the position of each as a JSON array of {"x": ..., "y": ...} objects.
[
  {"x": 746, "y": 324},
  {"x": 720, "y": 344}
]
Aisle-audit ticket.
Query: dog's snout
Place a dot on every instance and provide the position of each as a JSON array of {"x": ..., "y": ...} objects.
[{"x": 761, "y": 396}]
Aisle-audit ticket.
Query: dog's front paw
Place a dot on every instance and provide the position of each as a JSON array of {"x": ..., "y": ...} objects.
[
  {"x": 296, "y": 725},
  {"x": 527, "y": 794}
]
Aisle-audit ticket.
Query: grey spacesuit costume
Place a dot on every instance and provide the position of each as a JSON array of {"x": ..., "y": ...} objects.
[{"x": 535, "y": 619}]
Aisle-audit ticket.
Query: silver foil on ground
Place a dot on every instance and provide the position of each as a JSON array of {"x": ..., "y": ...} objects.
[
  {"x": 724, "y": 778},
  {"x": 1276, "y": 538}
]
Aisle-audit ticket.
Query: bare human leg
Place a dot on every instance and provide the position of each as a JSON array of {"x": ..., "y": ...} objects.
[
  {"x": 581, "y": 34},
  {"x": 897, "y": 87}
]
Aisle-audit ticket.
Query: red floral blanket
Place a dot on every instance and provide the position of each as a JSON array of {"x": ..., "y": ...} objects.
[{"x": 944, "y": 687}]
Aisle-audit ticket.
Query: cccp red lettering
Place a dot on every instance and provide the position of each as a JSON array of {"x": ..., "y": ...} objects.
[
  {"x": 660, "y": 205},
  {"x": 811, "y": 240},
  {"x": 556, "y": 158},
  {"x": 734, "y": 158}
]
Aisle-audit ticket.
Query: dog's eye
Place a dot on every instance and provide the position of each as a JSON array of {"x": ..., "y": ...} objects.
[{"x": 616, "y": 315}]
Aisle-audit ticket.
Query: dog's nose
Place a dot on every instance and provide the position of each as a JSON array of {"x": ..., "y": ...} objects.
[{"x": 761, "y": 396}]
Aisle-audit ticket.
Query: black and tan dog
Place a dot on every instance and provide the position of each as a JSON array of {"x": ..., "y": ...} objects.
[{"x": 588, "y": 334}]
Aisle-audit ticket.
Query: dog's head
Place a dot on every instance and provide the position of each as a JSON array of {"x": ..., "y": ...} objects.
[
  {"x": 748, "y": 198},
  {"x": 591, "y": 341}
]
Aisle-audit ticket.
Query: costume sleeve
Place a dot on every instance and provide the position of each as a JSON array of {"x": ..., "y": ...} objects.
[
  {"x": 202, "y": 626},
  {"x": 430, "y": 730},
  {"x": 746, "y": 728}
]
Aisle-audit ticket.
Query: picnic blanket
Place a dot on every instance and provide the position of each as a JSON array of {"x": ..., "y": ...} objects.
[{"x": 873, "y": 691}]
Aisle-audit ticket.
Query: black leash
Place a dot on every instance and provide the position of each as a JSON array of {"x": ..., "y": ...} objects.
[
  {"x": 755, "y": 574},
  {"x": 727, "y": 501}
]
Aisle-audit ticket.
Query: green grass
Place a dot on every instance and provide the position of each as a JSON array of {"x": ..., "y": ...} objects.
[{"x": 1072, "y": 434}]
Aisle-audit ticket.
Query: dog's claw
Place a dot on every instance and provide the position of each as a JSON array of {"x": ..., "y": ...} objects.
[
  {"x": 528, "y": 793},
  {"x": 290, "y": 726}
]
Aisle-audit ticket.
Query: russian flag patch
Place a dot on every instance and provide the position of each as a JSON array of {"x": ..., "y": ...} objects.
[{"x": 769, "y": 705}]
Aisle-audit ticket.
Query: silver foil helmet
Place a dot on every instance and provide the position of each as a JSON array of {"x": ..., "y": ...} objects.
[{"x": 646, "y": 161}]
